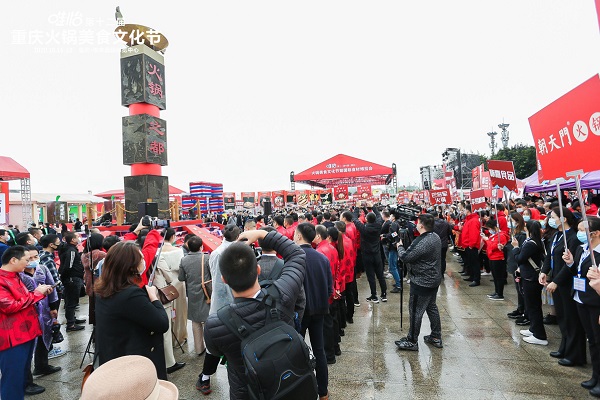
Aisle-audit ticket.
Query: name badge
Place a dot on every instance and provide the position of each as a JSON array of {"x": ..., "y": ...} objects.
[{"x": 579, "y": 284}]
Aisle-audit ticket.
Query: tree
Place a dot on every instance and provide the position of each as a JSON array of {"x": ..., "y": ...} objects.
[{"x": 522, "y": 156}]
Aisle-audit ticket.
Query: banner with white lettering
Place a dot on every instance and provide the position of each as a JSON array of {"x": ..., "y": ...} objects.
[
  {"x": 440, "y": 196},
  {"x": 478, "y": 200},
  {"x": 502, "y": 174}
]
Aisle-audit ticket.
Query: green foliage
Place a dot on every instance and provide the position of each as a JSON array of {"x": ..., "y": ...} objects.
[{"x": 522, "y": 156}]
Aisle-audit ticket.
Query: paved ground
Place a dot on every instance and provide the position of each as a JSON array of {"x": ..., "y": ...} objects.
[{"x": 483, "y": 355}]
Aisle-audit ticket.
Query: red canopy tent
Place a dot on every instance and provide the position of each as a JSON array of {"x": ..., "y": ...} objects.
[
  {"x": 11, "y": 170},
  {"x": 345, "y": 170},
  {"x": 120, "y": 194}
]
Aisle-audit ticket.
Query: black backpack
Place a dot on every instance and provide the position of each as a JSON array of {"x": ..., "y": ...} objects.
[
  {"x": 278, "y": 363},
  {"x": 266, "y": 281}
]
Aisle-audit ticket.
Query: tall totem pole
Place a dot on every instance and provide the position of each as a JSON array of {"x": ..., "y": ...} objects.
[{"x": 144, "y": 132}]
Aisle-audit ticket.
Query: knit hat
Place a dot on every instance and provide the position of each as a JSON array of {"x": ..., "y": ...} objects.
[{"x": 128, "y": 378}]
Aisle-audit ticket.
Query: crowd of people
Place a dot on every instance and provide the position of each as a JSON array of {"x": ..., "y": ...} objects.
[{"x": 308, "y": 261}]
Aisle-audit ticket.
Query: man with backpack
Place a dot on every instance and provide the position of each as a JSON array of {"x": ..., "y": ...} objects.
[{"x": 275, "y": 362}]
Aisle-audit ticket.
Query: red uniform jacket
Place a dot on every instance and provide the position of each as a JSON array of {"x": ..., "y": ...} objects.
[
  {"x": 471, "y": 235},
  {"x": 502, "y": 223},
  {"x": 492, "y": 250},
  {"x": 349, "y": 260},
  {"x": 331, "y": 253},
  {"x": 19, "y": 321},
  {"x": 354, "y": 235},
  {"x": 151, "y": 243}
]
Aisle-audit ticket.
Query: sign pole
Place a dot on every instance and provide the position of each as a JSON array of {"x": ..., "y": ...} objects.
[
  {"x": 560, "y": 208},
  {"x": 586, "y": 224}
]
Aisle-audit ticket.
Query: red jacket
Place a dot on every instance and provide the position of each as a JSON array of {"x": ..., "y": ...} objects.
[
  {"x": 535, "y": 213},
  {"x": 492, "y": 250},
  {"x": 348, "y": 261},
  {"x": 331, "y": 254},
  {"x": 19, "y": 321},
  {"x": 471, "y": 235},
  {"x": 153, "y": 239},
  {"x": 502, "y": 223},
  {"x": 353, "y": 234}
]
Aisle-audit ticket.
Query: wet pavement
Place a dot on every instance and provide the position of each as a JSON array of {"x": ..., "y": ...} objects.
[{"x": 483, "y": 355}]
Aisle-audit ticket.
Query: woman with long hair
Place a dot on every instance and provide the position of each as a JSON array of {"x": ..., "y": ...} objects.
[
  {"x": 529, "y": 258},
  {"x": 558, "y": 280},
  {"x": 129, "y": 320},
  {"x": 92, "y": 254},
  {"x": 516, "y": 227}
]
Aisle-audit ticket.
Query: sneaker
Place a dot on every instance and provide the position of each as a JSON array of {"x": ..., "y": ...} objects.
[
  {"x": 396, "y": 289},
  {"x": 203, "y": 386},
  {"x": 56, "y": 352},
  {"x": 74, "y": 328},
  {"x": 433, "y": 341},
  {"x": 50, "y": 369},
  {"x": 533, "y": 340},
  {"x": 515, "y": 314},
  {"x": 384, "y": 298},
  {"x": 496, "y": 298},
  {"x": 80, "y": 320},
  {"x": 405, "y": 344},
  {"x": 522, "y": 321},
  {"x": 486, "y": 273},
  {"x": 373, "y": 299},
  {"x": 356, "y": 304},
  {"x": 32, "y": 389},
  {"x": 526, "y": 332},
  {"x": 388, "y": 275},
  {"x": 492, "y": 294}
]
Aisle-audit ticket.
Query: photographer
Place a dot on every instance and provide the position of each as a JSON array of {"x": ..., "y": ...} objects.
[
  {"x": 423, "y": 260},
  {"x": 149, "y": 241}
]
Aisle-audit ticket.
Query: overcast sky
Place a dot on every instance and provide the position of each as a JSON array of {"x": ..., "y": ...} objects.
[{"x": 256, "y": 89}]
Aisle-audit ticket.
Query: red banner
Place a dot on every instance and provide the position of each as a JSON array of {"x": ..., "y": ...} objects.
[
  {"x": 440, "y": 196},
  {"x": 262, "y": 196},
  {"x": 403, "y": 197},
  {"x": 502, "y": 174},
  {"x": 229, "y": 200},
  {"x": 476, "y": 175},
  {"x": 341, "y": 192},
  {"x": 278, "y": 198},
  {"x": 421, "y": 195},
  {"x": 439, "y": 184},
  {"x": 303, "y": 198},
  {"x": 3, "y": 202},
  {"x": 363, "y": 191},
  {"x": 248, "y": 199},
  {"x": 478, "y": 200},
  {"x": 566, "y": 133}
]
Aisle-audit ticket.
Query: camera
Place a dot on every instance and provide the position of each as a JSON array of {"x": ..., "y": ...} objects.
[
  {"x": 257, "y": 251},
  {"x": 155, "y": 223}
]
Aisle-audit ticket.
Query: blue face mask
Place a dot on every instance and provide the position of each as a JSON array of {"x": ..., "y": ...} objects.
[
  {"x": 543, "y": 224},
  {"x": 33, "y": 264},
  {"x": 552, "y": 223},
  {"x": 582, "y": 237},
  {"x": 526, "y": 218},
  {"x": 510, "y": 224}
]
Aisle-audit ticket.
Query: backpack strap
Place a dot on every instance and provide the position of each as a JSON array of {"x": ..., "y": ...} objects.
[
  {"x": 273, "y": 275},
  {"x": 234, "y": 323}
]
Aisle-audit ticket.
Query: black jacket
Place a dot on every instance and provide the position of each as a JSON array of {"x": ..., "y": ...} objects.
[
  {"x": 70, "y": 263},
  {"x": 590, "y": 297},
  {"x": 423, "y": 257},
  {"x": 560, "y": 273},
  {"x": 369, "y": 232},
  {"x": 443, "y": 230},
  {"x": 127, "y": 323},
  {"x": 219, "y": 339},
  {"x": 530, "y": 249},
  {"x": 318, "y": 282}
]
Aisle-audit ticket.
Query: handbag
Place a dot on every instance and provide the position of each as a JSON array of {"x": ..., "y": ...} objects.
[
  {"x": 206, "y": 285},
  {"x": 167, "y": 294}
]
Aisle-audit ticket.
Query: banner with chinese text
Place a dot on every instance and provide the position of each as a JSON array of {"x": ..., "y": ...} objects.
[
  {"x": 441, "y": 196},
  {"x": 478, "y": 200},
  {"x": 566, "y": 133},
  {"x": 502, "y": 174}
]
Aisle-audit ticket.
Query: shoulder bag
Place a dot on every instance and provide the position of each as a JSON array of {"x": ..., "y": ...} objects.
[{"x": 206, "y": 285}]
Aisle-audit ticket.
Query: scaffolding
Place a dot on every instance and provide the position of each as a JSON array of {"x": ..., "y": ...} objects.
[{"x": 27, "y": 212}]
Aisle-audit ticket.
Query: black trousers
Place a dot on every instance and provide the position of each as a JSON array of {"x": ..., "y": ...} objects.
[
  {"x": 72, "y": 291},
  {"x": 40, "y": 357},
  {"x": 418, "y": 304},
  {"x": 374, "y": 267},
  {"x": 331, "y": 331},
  {"x": 589, "y": 319},
  {"x": 498, "y": 268},
  {"x": 520, "y": 299},
  {"x": 532, "y": 294},
  {"x": 444, "y": 251},
  {"x": 314, "y": 325},
  {"x": 210, "y": 364},
  {"x": 472, "y": 264},
  {"x": 572, "y": 344}
]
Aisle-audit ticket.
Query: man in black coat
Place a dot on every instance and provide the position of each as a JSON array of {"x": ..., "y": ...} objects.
[
  {"x": 369, "y": 246},
  {"x": 71, "y": 275},
  {"x": 443, "y": 229},
  {"x": 240, "y": 271}
]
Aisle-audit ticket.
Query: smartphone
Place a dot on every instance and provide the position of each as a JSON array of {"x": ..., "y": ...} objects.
[{"x": 56, "y": 284}]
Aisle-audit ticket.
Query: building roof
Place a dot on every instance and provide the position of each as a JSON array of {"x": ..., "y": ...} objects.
[{"x": 43, "y": 198}]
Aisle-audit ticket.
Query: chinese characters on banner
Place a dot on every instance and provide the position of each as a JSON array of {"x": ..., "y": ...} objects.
[
  {"x": 341, "y": 192},
  {"x": 566, "y": 133},
  {"x": 478, "y": 200},
  {"x": 402, "y": 197},
  {"x": 421, "y": 195},
  {"x": 262, "y": 196},
  {"x": 363, "y": 191},
  {"x": 248, "y": 199},
  {"x": 3, "y": 202},
  {"x": 440, "y": 196},
  {"x": 278, "y": 199},
  {"x": 229, "y": 200},
  {"x": 502, "y": 174}
]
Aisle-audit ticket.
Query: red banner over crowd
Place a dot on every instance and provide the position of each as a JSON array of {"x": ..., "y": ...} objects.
[
  {"x": 566, "y": 133},
  {"x": 440, "y": 196},
  {"x": 502, "y": 174},
  {"x": 478, "y": 200}
]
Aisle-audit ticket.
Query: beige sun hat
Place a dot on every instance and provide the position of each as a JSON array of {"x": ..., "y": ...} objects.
[{"x": 128, "y": 378}]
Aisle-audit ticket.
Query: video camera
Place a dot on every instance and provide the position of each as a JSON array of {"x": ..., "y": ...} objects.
[{"x": 155, "y": 223}]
